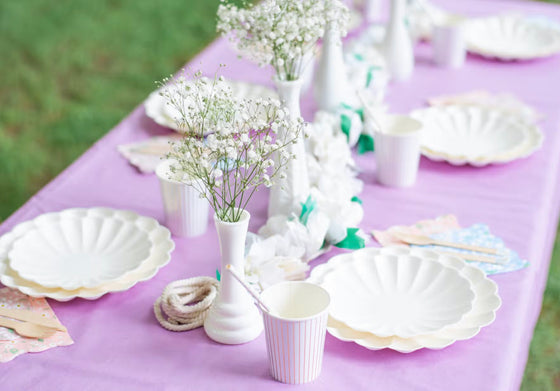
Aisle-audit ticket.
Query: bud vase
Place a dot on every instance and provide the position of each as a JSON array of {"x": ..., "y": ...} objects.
[
  {"x": 293, "y": 187},
  {"x": 399, "y": 52},
  {"x": 233, "y": 318},
  {"x": 330, "y": 86}
]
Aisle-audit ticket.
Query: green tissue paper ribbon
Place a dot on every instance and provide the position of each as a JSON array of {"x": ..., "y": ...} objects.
[
  {"x": 218, "y": 275},
  {"x": 365, "y": 144},
  {"x": 306, "y": 209},
  {"x": 369, "y": 76},
  {"x": 357, "y": 199},
  {"x": 345, "y": 125},
  {"x": 358, "y": 57},
  {"x": 352, "y": 241}
]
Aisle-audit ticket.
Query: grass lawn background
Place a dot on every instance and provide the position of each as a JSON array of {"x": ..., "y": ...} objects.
[{"x": 70, "y": 70}]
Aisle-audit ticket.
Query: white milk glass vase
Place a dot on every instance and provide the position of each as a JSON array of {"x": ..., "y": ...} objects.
[
  {"x": 308, "y": 70},
  {"x": 233, "y": 318},
  {"x": 330, "y": 86},
  {"x": 293, "y": 187},
  {"x": 399, "y": 52}
]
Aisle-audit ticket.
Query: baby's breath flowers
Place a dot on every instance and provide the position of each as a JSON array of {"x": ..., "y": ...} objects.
[
  {"x": 277, "y": 32},
  {"x": 227, "y": 149}
]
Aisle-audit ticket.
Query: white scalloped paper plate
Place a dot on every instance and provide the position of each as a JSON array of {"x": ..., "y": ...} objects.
[
  {"x": 163, "y": 115},
  {"x": 161, "y": 247},
  {"x": 476, "y": 135},
  {"x": 71, "y": 250},
  {"x": 404, "y": 295},
  {"x": 511, "y": 37},
  {"x": 483, "y": 313}
]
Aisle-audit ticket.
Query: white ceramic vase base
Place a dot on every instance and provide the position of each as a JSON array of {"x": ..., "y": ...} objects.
[
  {"x": 233, "y": 318},
  {"x": 233, "y": 324}
]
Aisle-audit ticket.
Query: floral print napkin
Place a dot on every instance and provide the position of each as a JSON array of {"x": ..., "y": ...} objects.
[
  {"x": 479, "y": 235},
  {"x": 147, "y": 154},
  {"x": 447, "y": 228},
  {"x": 424, "y": 227},
  {"x": 11, "y": 344}
]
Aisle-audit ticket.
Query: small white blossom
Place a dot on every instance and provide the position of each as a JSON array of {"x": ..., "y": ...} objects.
[
  {"x": 298, "y": 24},
  {"x": 228, "y": 142}
]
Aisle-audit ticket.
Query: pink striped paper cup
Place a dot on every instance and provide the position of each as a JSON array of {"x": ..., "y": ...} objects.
[{"x": 295, "y": 330}]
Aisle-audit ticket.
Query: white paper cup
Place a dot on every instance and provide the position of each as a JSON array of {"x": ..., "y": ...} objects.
[
  {"x": 186, "y": 213},
  {"x": 295, "y": 330},
  {"x": 448, "y": 44},
  {"x": 397, "y": 151}
]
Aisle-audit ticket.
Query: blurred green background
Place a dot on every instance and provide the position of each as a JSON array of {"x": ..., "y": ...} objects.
[{"x": 66, "y": 79}]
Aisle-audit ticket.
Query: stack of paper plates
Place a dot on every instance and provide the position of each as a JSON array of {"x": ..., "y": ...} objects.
[
  {"x": 166, "y": 115},
  {"x": 405, "y": 299},
  {"x": 83, "y": 253},
  {"x": 512, "y": 37},
  {"x": 476, "y": 135}
]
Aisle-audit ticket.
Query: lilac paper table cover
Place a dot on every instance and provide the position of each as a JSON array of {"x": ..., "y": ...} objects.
[{"x": 120, "y": 346}]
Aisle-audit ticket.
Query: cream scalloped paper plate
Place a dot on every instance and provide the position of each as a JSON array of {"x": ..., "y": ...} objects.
[
  {"x": 158, "y": 239},
  {"x": 476, "y": 135},
  {"x": 400, "y": 295},
  {"x": 164, "y": 115},
  {"x": 483, "y": 311},
  {"x": 511, "y": 37}
]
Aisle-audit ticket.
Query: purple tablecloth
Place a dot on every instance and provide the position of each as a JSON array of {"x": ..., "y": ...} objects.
[{"x": 120, "y": 346}]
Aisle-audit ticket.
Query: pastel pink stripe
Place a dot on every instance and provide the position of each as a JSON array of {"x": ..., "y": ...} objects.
[
  {"x": 295, "y": 349},
  {"x": 270, "y": 341},
  {"x": 305, "y": 354}
]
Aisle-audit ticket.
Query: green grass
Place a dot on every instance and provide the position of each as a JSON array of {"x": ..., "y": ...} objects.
[
  {"x": 70, "y": 70},
  {"x": 543, "y": 369}
]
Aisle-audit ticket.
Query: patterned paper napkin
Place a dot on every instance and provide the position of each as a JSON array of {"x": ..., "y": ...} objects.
[
  {"x": 447, "y": 228},
  {"x": 424, "y": 227},
  {"x": 11, "y": 344},
  {"x": 479, "y": 235},
  {"x": 147, "y": 154}
]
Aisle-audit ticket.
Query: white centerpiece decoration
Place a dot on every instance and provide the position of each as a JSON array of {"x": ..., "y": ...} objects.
[
  {"x": 399, "y": 51},
  {"x": 280, "y": 33},
  {"x": 227, "y": 167},
  {"x": 331, "y": 87}
]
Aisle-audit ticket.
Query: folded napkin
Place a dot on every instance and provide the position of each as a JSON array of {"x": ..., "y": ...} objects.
[
  {"x": 11, "y": 344},
  {"x": 447, "y": 228},
  {"x": 479, "y": 235},
  {"x": 147, "y": 154},
  {"x": 424, "y": 227}
]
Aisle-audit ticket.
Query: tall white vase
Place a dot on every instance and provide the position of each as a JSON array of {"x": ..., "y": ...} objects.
[
  {"x": 293, "y": 188},
  {"x": 399, "y": 52},
  {"x": 331, "y": 82},
  {"x": 308, "y": 70},
  {"x": 233, "y": 318}
]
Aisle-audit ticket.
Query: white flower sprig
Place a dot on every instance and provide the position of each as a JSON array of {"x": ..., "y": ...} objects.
[
  {"x": 227, "y": 149},
  {"x": 275, "y": 32},
  {"x": 337, "y": 15}
]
